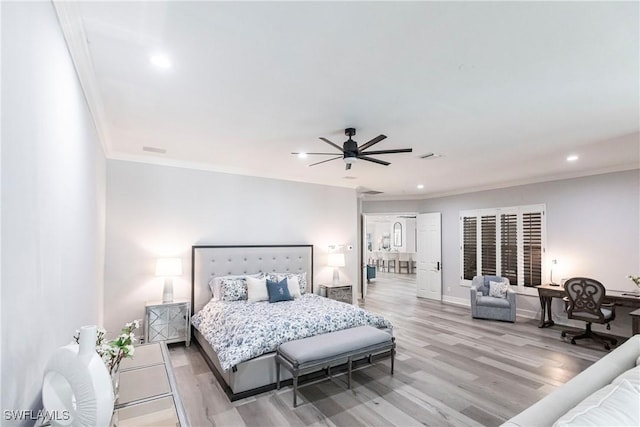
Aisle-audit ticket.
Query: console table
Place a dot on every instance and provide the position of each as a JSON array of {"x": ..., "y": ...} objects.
[
  {"x": 546, "y": 293},
  {"x": 148, "y": 393}
]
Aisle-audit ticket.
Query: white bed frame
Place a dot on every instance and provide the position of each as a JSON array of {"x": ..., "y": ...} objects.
[{"x": 259, "y": 374}]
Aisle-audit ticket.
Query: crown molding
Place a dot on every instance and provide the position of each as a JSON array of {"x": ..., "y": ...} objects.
[{"x": 70, "y": 21}]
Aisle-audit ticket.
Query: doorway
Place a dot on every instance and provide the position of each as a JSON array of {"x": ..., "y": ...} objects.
[{"x": 389, "y": 249}]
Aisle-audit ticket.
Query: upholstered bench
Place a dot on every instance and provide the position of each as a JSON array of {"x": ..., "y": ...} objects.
[{"x": 312, "y": 354}]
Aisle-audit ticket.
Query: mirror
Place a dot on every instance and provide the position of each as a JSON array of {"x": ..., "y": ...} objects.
[
  {"x": 397, "y": 234},
  {"x": 386, "y": 241}
]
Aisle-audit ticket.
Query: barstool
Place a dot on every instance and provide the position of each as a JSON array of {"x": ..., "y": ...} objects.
[
  {"x": 391, "y": 263},
  {"x": 404, "y": 261},
  {"x": 384, "y": 257}
]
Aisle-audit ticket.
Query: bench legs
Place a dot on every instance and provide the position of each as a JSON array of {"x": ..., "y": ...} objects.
[
  {"x": 295, "y": 389},
  {"x": 295, "y": 369},
  {"x": 393, "y": 356}
]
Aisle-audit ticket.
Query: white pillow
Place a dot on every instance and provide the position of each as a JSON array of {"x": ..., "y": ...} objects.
[
  {"x": 294, "y": 287},
  {"x": 612, "y": 405},
  {"x": 257, "y": 289},
  {"x": 497, "y": 289},
  {"x": 632, "y": 375}
]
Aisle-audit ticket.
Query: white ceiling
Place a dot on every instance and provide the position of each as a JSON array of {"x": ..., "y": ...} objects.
[{"x": 503, "y": 91}]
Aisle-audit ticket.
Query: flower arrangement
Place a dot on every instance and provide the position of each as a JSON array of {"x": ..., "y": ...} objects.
[
  {"x": 112, "y": 352},
  {"x": 635, "y": 279}
]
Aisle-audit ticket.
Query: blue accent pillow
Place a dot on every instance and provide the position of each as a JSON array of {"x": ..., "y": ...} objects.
[{"x": 278, "y": 291}]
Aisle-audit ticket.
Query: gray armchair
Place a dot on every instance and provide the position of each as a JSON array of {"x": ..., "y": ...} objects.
[{"x": 484, "y": 306}]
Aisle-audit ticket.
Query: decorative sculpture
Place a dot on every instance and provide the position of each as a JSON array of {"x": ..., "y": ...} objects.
[{"x": 77, "y": 386}]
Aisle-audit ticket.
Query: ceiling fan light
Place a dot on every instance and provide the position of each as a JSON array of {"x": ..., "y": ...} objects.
[{"x": 350, "y": 160}]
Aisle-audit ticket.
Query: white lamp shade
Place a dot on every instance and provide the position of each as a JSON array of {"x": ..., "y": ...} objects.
[
  {"x": 336, "y": 260},
  {"x": 169, "y": 267}
]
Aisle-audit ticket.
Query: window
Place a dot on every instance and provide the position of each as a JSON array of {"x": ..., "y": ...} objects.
[
  {"x": 509, "y": 247},
  {"x": 488, "y": 231},
  {"x": 506, "y": 242},
  {"x": 532, "y": 248},
  {"x": 469, "y": 268}
]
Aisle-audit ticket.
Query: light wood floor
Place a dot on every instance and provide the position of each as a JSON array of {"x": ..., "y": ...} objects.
[{"x": 450, "y": 370}]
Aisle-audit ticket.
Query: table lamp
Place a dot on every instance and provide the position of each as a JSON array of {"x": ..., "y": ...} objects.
[
  {"x": 554, "y": 263},
  {"x": 168, "y": 268},
  {"x": 336, "y": 261}
]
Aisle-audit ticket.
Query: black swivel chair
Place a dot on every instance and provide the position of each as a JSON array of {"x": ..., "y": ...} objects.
[{"x": 585, "y": 301}]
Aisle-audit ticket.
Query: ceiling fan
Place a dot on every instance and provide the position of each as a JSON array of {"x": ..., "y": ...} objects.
[{"x": 351, "y": 152}]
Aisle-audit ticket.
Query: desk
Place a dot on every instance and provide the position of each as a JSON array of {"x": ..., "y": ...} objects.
[{"x": 547, "y": 292}]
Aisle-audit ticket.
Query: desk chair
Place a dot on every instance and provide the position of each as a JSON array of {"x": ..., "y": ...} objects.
[{"x": 585, "y": 301}]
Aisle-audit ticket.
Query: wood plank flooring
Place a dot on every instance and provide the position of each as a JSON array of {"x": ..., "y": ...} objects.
[{"x": 451, "y": 370}]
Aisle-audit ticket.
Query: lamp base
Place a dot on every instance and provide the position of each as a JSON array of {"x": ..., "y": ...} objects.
[
  {"x": 167, "y": 292},
  {"x": 336, "y": 277}
]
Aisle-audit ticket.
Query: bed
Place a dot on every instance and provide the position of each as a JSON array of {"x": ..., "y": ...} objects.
[{"x": 231, "y": 334}]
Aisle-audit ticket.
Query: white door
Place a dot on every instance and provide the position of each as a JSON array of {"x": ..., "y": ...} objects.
[
  {"x": 429, "y": 265},
  {"x": 363, "y": 252}
]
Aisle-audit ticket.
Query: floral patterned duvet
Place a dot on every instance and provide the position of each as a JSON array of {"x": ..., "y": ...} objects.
[{"x": 242, "y": 330}]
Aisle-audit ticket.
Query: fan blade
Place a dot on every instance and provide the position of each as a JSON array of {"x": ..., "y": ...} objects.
[
  {"x": 373, "y": 141},
  {"x": 323, "y": 154},
  {"x": 400, "y": 150},
  {"x": 347, "y": 166},
  {"x": 371, "y": 159},
  {"x": 331, "y": 143},
  {"x": 324, "y": 161}
]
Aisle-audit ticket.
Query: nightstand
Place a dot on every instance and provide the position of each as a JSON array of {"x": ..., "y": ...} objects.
[
  {"x": 168, "y": 322},
  {"x": 340, "y": 292},
  {"x": 148, "y": 393}
]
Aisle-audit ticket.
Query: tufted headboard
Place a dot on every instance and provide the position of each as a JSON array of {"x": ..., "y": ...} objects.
[{"x": 211, "y": 261}]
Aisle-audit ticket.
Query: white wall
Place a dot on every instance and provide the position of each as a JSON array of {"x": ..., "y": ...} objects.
[
  {"x": 53, "y": 202},
  {"x": 155, "y": 211},
  {"x": 593, "y": 229}
]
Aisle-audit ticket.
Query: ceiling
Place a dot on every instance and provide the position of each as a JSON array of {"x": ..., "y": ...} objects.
[{"x": 503, "y": 91}]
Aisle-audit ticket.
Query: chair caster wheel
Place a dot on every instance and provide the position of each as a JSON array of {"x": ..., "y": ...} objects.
[
  {"x": 573, "y": 342},
  {"x": 607, "y": 347},
  {"x": 563, "y": 334},
  {"x": 608, "y": 327}
]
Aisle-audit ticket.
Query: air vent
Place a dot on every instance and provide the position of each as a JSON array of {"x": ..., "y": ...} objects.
[
  {"x": 349, "y": 177},
  {"x": 154, "y": 150},
  {"x": 372, "y": 192}
]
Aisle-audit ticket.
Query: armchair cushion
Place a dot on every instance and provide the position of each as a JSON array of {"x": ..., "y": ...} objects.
[{"x": 490, "y": 301}]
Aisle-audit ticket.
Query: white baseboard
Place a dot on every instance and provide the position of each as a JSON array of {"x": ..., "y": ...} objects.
[{"x": 457, "y": 301}]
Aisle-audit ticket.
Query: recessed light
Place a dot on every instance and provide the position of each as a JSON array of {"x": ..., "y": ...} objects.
[
  {"x": 302, "y": 155},
  {"x": 572, "y": 158},
  {"x": 420, "y": 186},
  {"x": 160, "y": 61}
]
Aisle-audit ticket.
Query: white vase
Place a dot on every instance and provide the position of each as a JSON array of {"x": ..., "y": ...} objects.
[{"x": 77, "y": 387}]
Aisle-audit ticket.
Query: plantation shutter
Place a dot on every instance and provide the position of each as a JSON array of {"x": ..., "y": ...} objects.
[
  {"x": 488, "y": 236},
  {"x": 509, "y": 247},
  {"x": 532, "y": 248},
  {"x": 469, "y": 242}
]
